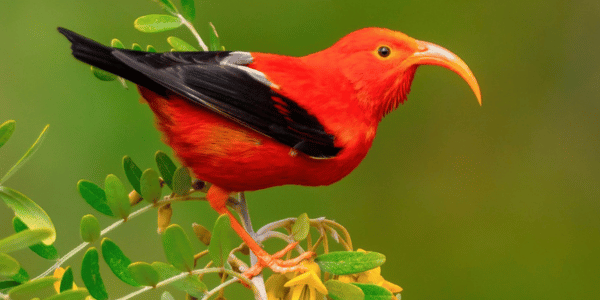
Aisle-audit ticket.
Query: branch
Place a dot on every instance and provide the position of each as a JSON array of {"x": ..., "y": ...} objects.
[
  {"x": 62, "y": 260},
  {"x": 81, "y": 246},
  {"x": 242, "y": 209},
  {"x": 237, "y": 277},
  {"x": 220, "y": 287}
]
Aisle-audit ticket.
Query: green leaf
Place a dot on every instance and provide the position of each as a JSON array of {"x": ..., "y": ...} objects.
[
  {"x": 301, "y": 227},
  {"x": 150, "y": 186},
  {"x": 79, "y": 294},
  {"x": 151, "y": 49},
  {"x": 214, "y": 43},
  {"x": 133, "y": 173},
  {"x": 117, "y": 261},
  {"x": 165, "y": 270},
  {"x": 374, "y": 292},
  {"x": 343, "y": 291},
  {"x": 347, "y": 262},
  {"x": 136, "y": 47},
  {"x": 8, "y": 284},
  {"x": 166, "y": 296},
  {"x": 116, "y": 196},
  {"x": 90, "y": 273},
  {"x": 178, "y": 248},
  {"x": 190, "y": 284},
  {"x": 6, "y": 130},
  {"x": 115, "y": 43},
  {"x": 156, "y": 23},
  {"x": 143, "y": 273},
  {"x": 94, "y": 196},
  {"x": 220, "y": 242},
  {"x": 24, "y": 239},
  {"x": 188, "y": 10},
  {"x": 29, "y": 212},
  {"x": 26, "y": 156},
  {"x": 103, "y": 75},
  {"x": 42, "y": 287},
  {"x": 66, "y": 282},
  {"x": 166, "y": 167},
  {"x": 21, "y": 277},
  {"x": 168, "y": 6},
  {"x": 8, "y": 265},
  {"x": 182, "y": 182},
  {"x": 89, "y": 228},
  {"x": 44, "y": 251},
  {"x": 180, "y": 45}
]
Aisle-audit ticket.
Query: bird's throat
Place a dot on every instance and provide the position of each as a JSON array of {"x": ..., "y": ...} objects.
[{"x": 397, "y": 92}]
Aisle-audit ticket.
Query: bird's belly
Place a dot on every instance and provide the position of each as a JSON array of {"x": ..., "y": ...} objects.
[{"x": 234, "y": 157}]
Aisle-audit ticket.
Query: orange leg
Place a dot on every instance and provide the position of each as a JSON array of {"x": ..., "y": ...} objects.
[{"x": 217, "y": 197}]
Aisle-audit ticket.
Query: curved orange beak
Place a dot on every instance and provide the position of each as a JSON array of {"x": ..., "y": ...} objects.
[{"x": 432, "y": 54}]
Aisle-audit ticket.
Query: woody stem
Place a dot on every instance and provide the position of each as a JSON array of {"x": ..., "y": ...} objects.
[{"x": 241, "y": 208}]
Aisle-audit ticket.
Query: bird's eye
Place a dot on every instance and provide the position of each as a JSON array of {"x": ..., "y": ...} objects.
[{"x": 384, "y": 51}]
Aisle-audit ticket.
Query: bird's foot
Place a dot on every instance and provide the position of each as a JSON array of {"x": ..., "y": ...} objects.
[{"x": 278, "y": 265}]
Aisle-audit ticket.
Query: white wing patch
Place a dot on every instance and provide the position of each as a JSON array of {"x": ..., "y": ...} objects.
[{"x": 240, "y": 59}]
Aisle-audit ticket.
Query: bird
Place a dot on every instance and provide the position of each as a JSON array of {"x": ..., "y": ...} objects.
[{"x": 247, "y": 121}]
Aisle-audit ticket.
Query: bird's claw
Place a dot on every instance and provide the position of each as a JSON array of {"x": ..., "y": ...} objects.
[{"x": 278, "y": 265}]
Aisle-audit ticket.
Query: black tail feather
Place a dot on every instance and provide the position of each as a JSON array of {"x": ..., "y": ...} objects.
[{"x": 100, "y": 56}]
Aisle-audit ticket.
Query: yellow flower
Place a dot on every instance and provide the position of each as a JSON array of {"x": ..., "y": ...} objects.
[
  {"x": 275, "y": 288},
  {"x": 372, "y": 276},
  {"x": 348, "y": 278},
  {"x": 296, "y": 286}
]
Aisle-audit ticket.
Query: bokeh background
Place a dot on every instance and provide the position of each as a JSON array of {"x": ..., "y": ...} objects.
[{"x": 467, "y": 202}]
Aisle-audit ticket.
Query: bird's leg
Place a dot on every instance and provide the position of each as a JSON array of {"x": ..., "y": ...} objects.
[{"x": 217, "y": 197}]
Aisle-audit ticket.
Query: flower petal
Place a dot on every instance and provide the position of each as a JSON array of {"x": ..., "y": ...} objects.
[
  {"x": 309, "y": 278},
  {"x": 391, "y": 287},
  {"x": 347, "y": 278},
  {"x": 58, "y": 273},
  {"x": 274, "y": 286},
  {"x": 296, "y": 292}
]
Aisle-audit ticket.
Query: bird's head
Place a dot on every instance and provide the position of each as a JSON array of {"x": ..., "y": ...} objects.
[{"x": 381, "y": 63}]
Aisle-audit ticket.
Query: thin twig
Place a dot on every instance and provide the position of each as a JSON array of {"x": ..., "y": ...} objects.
[
  {"x": 199, "y": 255},
  {"x": 219, "y": 287},
  {"x": 106, "y": 230},
  {"x": 325, "y": 239},
  {"x": 140, "y": 291},
  {"x": 165, "y": 200},
  {"x": 282, "y": 236},
  {"x": 288, "y": 222},
  {"x": 193, "y": 30},
  {"x": 234, "y": 260},
  {"x": 343, "y": 229},
  {"x": 275, "y": 225},
  {"x": 317, "y": 243},
  {"x": 182, "y": 275}
]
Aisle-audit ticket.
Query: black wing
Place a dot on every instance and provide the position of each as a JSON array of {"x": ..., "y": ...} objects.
[{"x": 219, "y": 81}]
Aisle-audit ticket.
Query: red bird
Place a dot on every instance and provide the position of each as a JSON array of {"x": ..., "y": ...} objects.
[{"x": 246, "y": 121}]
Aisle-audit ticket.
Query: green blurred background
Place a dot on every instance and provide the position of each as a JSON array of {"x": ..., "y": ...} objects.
[{"x": 467, "y": 202}]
